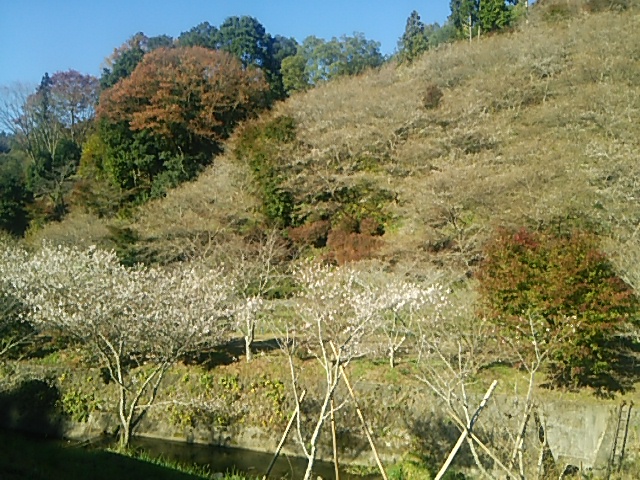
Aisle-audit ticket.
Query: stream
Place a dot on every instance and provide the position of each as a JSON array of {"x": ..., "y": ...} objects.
[{"x": 221, "y": 459}]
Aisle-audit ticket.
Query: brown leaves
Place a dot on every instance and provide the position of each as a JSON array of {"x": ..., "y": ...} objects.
[{"x": 191, "y": 89}]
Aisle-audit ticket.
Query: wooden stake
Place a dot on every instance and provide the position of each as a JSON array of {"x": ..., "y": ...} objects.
[
  {"x": 360, "y": 416},
  {"x": 335, "y": 442},
  {"x": 284, "y": 436},
  {"x": 484, "y": 448},
  {"x": 466, "y": 431}
]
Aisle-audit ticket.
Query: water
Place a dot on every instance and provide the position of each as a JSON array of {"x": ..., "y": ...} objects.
[{"x": 220, "y": 459}]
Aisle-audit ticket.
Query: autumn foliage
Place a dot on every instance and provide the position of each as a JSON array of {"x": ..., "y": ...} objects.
[
  {"x": 193, "y": 89},
  {"x": 165, "y": 121},
  {"x": 566, "y": 281}
]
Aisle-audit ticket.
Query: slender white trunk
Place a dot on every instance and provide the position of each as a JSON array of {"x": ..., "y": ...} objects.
[
  {"x": 311, "y": 457},
  {"x": 247, "y": 348},
  {"x": 248, "y": 339}
]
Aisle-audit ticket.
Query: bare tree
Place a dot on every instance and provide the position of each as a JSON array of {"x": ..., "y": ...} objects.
[
  {"x": 27, "y": 113},
  {"x": 257, "y": 270},
  {"x": 137, "y": 321},
  {"x": 335, "y": 318},
  {"x": 455, "y": 349},
  {"x": 13, "y": 99},
  {"x": 74, "y": 98},
  {"x": 49, "y": 123}
]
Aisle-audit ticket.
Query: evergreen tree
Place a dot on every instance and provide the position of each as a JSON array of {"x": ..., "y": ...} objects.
[
  {"x": 246, "y": 38},
  {"x": 493, "y": 15},
  {"x": 294, "y": 76},
  {"x": 123, "y": 61},
  {"x": 319, "y": 60},
  {"x": 464, "y": 16},
  {"x": 414, "y": 41},
  {"x": 472, "y": 17},
  {"x": 202, "y": 35},
  {"x": 14, "y": 196}
]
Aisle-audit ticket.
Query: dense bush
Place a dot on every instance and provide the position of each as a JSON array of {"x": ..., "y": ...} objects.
[
  {"x": 567, "y": 282},
  {"x": 258, "y": 146},
  {"x": 311, "y": 233},
  {"x": 346, "y": 247},
  {"x": 161, "y": 125},
  {"x": 431, "y": 96},
  {"x": 14, "y": 195}
]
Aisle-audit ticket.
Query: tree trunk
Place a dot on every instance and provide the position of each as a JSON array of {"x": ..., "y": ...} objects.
[
  {"x": 125, "y": 422},
  {"x": 247, "y": 348},
  {"x": 311, "y": 457},
  {"x": 248, "y": 339},
  {"x": 125, "y": 435}
]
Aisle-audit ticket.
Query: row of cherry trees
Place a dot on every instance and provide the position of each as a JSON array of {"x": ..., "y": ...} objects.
[{"x": 137, "y": 322}]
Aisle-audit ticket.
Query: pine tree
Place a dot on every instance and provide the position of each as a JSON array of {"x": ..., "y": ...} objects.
[
  {"x": 414, "y": 40},
  {"x": 464, "y": 16}
]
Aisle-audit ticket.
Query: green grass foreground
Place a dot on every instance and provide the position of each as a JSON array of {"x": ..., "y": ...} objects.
[{"x": 32, "y": 458}]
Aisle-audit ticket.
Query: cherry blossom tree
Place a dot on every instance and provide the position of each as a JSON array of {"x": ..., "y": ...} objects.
[
  {"x": 257, "y": 269},
  {"x": 137, "y": 320},
  {"x": 336, "y": 317},
  {"x": 406, "y": 305},
  {"x": 13, "y": 332}
]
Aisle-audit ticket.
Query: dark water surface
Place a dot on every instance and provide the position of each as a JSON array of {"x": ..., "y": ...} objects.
[{"x": 221, "y": 459}]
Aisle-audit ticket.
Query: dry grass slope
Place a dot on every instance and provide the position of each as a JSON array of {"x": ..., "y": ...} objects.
[
  {"x": 537, "y": 126},
  {"x": 534, "y": 127}
]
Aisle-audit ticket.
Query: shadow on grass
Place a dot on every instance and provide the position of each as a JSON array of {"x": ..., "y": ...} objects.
[
  {"x": 33, "y": 458},
  {"x": 230, "y": 352},
  {"x": 32, "y": 406},
  {"x": 29, "y": 413},
  {"x": 436, "y": 436}
]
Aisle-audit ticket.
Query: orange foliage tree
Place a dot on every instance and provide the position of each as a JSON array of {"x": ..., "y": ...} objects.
[{"x": 162, "y": 123}]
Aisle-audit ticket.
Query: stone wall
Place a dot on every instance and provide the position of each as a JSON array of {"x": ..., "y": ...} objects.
[{"x": 580, "y": 432}]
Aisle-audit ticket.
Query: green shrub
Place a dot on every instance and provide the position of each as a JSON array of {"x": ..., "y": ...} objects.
[
  {"x": 258, "y": 146},
  {"x": 78, "y": 405},
  {"x": 14, "y": 195},
  {"x": 410, "y": 467},
  {"x": 568, "y": 283}
]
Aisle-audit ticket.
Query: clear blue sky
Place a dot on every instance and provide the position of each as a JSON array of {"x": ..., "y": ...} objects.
[{"x": 38, "y": 36}]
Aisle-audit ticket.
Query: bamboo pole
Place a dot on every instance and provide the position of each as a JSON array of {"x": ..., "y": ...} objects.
[
  {"x": 360, "y": 416},
  {"x": 484, "y": 448},
  {"x": 335, "y": 442},
  {"x": 284, "y": 436},
  {"x": 465, "y": 432}
]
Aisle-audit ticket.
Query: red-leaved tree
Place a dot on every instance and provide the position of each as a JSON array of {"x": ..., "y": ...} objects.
[
  {"x": 567, "y": 283},
  {"x": 163, "y": 122}
]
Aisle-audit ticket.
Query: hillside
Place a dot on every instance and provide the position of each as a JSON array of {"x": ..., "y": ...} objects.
[
  {"x": 535, "y": 127},
  {"x": 511, "y": 160}
]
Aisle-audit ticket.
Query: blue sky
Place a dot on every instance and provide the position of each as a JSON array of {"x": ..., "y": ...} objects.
[{"x": 38, "y": 36}]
